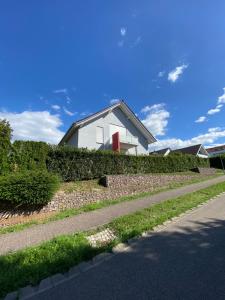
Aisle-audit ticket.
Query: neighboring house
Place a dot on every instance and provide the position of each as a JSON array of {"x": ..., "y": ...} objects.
[
  {"x": 163, "y": 152},
  {"x": 115, "y": 127},
  {"x": 214, "y": 151},
  {"x": 197, "y": 150}
]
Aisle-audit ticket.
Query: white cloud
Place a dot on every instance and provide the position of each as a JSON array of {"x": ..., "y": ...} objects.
[
  {"x": 114, "y": 101},
  {"x": 221, "y": 99},
  {"x": 152, "y": 107},
  {"x": 61, "y": 91},
  {"x": 217, "y": 109},
  {"x": 176, "y": 73},
  {"x": 215, "y": 129},
  {"x": 161, "y": 73},
  {"x": 84, "y": 113},
  {"x": 213, "y": 111},
  {"x": 65, "y": 94},
  {"x": 68, "y": 99},
  {"x": 55, "y": 107},
  {"x": 136, "y": 42},
  {"x": 35, "y": 126},
  {"x": 210, "y": 137},
  {"x": 69, "y": 113},
  {"x": 156, "y": 119},
  {"x": 200, "y": 119},
  {"x": 123, "y": 31}
]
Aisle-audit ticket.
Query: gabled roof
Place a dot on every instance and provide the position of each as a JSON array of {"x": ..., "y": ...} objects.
[
  {"x": 194, "y": 150},
  {"x": 215, "y": 149},
  {"x": 127, "y": 111},
  {"x": 161, "y": 151}
]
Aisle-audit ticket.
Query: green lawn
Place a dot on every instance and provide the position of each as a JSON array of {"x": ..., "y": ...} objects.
[
  {"x": 31, "y": 265},
  {"x": 103, "y": 203}
]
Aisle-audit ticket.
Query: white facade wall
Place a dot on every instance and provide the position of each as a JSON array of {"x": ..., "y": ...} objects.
[{"x": 88, "y": 135}]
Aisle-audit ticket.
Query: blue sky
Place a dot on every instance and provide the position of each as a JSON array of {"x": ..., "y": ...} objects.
[{"x": 62, "y": 60}]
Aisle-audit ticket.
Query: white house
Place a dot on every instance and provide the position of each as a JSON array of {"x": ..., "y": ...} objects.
[
  {"x": 197, "y": 150},
  {"x": 216, "y": 151},
  {"x": 163, "y": 152},
  {"x": 115, "y": 127}
]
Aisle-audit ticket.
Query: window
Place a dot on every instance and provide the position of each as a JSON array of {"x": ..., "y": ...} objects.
[
  {"x": 99, "y": 135},
  {"x": 116, "y": 128}
]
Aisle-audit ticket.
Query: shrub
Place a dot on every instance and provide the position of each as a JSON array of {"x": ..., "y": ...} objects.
[
  {"x": 30, "y": 155},
  {"x": 77, "y": 164},
  {"x": 30, "y": 187}
]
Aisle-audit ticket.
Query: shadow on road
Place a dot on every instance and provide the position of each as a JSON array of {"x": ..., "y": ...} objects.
[{"x": 182, "y": 264}]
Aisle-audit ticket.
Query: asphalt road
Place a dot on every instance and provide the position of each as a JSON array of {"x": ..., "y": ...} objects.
[{"x": 186, "y": 260}]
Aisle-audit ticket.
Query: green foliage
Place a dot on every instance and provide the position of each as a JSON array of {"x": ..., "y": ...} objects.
[
  {"x": 5, "y": 133},
  {"x": 218, "y": 162},
  {"x": 5, "y": 145},
  {"x": 31, "y": 265},
  {"x": 30, "y": 155},
  {"x": 30, "y": 187},
  {"x": 75, "y": 164}
]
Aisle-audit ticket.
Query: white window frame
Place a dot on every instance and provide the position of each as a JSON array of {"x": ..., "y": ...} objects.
[{"x": 99, "y": 135}]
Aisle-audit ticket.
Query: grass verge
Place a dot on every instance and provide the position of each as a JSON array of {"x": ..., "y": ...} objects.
[
  {"x": 31, "y": 265},
  {"x": 101, "y": 204}
]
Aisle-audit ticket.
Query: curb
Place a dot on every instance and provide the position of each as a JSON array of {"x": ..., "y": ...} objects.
[
  {"x": 54, "y": 280},
  {"x": 57, "y": 279}
]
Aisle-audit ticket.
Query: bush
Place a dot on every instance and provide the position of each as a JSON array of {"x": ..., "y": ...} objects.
[
  {"x": 30, "y": 155},
  {"x": 22, "y": 156},
  {"x": 76, "y": 164},
  {"x": 30, "y": 187}
]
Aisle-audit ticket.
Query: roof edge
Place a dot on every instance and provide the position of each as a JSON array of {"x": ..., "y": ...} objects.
[{"x": 126, "y": 109}]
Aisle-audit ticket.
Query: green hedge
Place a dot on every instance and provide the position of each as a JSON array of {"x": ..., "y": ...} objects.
[
  {"x": 217, "y": 162},
  {"x": 76, "y": 164},
  {"x": 30, "y": 155},
  {"x": 30, "y": 187},
  {"x": 24, "y": 155}
]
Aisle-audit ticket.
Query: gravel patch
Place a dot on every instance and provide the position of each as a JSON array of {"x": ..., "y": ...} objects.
[{"x": 101, "y": 238}]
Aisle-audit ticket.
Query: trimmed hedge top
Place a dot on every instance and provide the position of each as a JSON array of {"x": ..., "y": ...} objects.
[{"x": 76, "y": 164}]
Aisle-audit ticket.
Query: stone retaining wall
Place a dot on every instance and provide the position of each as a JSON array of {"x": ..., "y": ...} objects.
[
  {"x": 118, "y": 181},
  {"x": 116, "y": 186},
  {"x": 205, "y": 171}
]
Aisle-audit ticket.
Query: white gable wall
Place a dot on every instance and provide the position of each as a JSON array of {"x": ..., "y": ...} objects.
[{"x": 86, "y": 137}]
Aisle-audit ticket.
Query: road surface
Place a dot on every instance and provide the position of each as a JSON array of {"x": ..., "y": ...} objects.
[{"x": 185, "y": 260}]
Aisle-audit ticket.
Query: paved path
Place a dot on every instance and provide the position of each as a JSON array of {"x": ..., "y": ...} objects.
[
  {"x": 40, "y": 233},
  {"x": 185, "y": 260}
]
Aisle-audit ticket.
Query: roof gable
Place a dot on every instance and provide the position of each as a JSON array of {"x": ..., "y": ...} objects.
[
  {"x": 124, "y": 108},
  {"x": 194, "y": 150},
  {"x": 215, "y": 149},
  {"x": 161, "y": 151}
]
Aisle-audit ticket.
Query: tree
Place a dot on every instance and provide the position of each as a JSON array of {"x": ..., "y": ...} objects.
[
  {"x": 5, "y": 133},
  {"x": 5, "y": 144}
]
